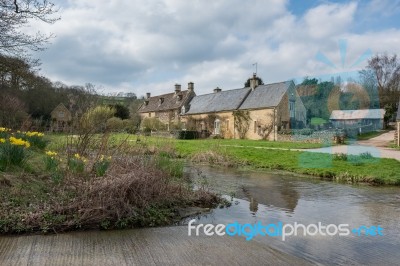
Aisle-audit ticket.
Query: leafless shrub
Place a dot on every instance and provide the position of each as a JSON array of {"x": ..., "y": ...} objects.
[{"x": 131, "y": 188}]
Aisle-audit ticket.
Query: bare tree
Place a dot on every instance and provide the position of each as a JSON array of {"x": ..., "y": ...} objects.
[
  {"x": 387, "y": 73},
  {"x": 14, "y": 16}
]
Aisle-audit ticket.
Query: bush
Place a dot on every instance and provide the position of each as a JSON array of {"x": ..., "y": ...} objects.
[
  {"x": 115, "y": 124},
  {"x": 187, "y": 134},
  {"x": 95, "y": 119}
]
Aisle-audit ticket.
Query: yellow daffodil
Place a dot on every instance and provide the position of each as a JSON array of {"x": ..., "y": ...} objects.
[
  {"x": 4, "y": 129},
  {"x": 102, "y": 158},
  {"x": 2, "y": 140},
  {"x": 51, "y": 153},
  {"x": 19, "y": 142},
  {"x": 34, "y": 133},
  {"x": 77, "y": 156}
]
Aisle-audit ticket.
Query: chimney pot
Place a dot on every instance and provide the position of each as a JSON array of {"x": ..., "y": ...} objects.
[
  {"x": 177, "y": 88},
  {"x": 191, "y": 86},
  {"x": 254, "y": 81},
  {"x": 217, "y": 89},
  {"x": 147, "y": 95}
]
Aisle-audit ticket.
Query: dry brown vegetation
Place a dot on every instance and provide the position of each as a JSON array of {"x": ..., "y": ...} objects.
[{"x": 135, "y": 192}]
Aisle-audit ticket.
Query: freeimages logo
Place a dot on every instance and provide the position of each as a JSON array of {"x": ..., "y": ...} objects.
[{"x": 280, "y": 230}]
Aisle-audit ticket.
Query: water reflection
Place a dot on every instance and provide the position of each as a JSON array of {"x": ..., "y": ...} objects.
[{"x": 271, "y": 197}]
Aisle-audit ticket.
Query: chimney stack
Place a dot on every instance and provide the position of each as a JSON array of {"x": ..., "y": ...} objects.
[
  {"x": 190, "y": 86},
  {"x": 254, "y": 81},
  {"x": 217, "y": 89},
  {"x": 177, "y": 88},
  {"x": 147, "y": 95}
]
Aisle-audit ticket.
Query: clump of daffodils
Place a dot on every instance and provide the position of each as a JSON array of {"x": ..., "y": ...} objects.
[
  {"x": 51, "y": 153},
  {"x": 4, "y": 129},
  {"x": 34, "y": 133},
  {"x": 79, "y": 157},
  {"x": 51, "y": 161},
  {"x": 19, "y": 142},
  {"x": 100, "y": 167},
  {"x": 76, "y": 163}
]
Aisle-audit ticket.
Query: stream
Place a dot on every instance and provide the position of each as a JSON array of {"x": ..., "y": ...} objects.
[{"x": 281, "y": 197}]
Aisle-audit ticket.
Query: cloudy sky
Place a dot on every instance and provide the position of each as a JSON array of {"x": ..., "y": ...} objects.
[{"x": 148, "y": 46}]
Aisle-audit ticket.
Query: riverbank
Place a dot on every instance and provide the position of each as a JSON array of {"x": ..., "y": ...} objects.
[
  {"x": 95, "y": 187},
  {"x": 274, "y": 156}
]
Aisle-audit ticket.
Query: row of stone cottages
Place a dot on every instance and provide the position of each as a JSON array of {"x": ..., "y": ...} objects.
[{"x": 255, "y": 112}]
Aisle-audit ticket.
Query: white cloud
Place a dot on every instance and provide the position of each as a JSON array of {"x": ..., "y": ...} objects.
[
  {"x": 149, "y": 46},
  {"x": 329, "y": 20}
]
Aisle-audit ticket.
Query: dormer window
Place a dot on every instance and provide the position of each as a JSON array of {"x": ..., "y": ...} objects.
[
  {"x": 146, "y": 102},
  {"x": 179, "y": 97},
  {"x": 161, "y": 100}
]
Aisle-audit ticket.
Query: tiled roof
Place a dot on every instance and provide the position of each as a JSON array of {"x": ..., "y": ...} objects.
[
  {"x": 264, "y": 96},
  {"x": 269, "y": 95},
  {"x": 357, "y": 114},
  {"x": 170, "y": 102},
  {"x": 218, "y": 101}
]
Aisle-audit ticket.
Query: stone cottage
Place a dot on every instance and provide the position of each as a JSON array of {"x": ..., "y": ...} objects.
[
  {"x": 167, "y": 107},
  {"x": 255, "y": 112},
  {"x": 61, "y": 119}
]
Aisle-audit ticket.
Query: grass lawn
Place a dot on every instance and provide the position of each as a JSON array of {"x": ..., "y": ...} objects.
[{"x": 317, "y": 121}]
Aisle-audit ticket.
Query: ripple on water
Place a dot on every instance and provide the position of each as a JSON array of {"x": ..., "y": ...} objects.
[{"x": 271, "y": 197}]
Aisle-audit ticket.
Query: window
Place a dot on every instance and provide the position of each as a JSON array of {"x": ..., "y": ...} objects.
[
  {"x": 149, "y": 114},
  {"x": 291, "y": 108},
  {"x": 255, "y": 126},
  {"x": 183, "y": 110},
  {"x": 217, "y": 127},
  {"x": 61, "y": 114},
  {"x": 227, "y": 124}
]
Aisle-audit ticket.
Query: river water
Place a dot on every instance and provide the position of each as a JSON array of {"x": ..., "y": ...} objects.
[{"x": 281, "y": 197}]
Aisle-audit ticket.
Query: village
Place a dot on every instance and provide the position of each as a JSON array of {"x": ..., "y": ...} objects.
[{"x": 196, "y": 133}]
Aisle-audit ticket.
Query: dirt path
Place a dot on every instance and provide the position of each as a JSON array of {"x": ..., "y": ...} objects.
[
  {"x": 379, "y": 141},
  {"x": 377, "y": 147}
]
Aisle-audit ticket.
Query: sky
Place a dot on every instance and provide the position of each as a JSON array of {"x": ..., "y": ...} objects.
[{"x": 149, "y": 46}]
